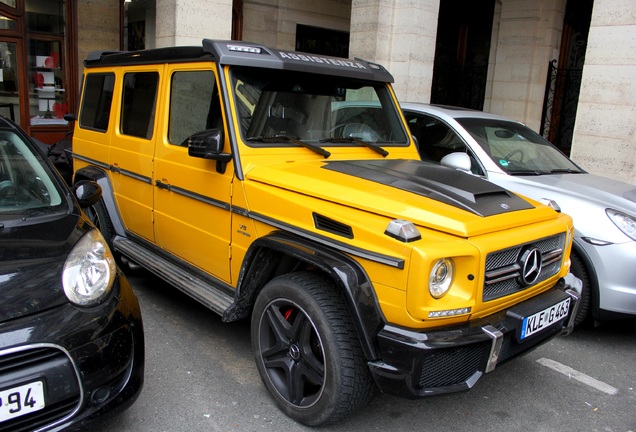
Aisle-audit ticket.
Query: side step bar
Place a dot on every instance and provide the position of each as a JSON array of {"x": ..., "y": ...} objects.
[{"x": 202, "y": 291}]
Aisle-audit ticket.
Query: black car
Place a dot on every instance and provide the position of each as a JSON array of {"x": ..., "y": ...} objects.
[{"x": 71, "y": 334}]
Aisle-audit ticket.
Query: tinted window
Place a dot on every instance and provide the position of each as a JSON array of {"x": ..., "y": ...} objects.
[
  {"x": 194, "y": 105},
  {"x": 98, "y": 97},
  {"x": 139, "y": 102}
]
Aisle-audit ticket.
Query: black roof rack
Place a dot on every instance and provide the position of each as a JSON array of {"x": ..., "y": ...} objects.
[{"x": 246, "y": 54}]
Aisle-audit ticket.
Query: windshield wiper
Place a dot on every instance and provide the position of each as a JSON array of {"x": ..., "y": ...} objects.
[
  {"x": 528, "y": 172},
  {"x": 375, "y": 148},
  {"x": 288, "y": 138},
  {"x": 565, "y": 171}
]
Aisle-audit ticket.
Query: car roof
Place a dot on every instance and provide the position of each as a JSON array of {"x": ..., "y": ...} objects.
[{"x": 447, "y": 111}]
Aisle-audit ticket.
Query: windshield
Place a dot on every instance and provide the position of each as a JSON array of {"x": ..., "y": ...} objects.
[
  {"x": 26, "y": 186},
  {"x": 275, "y": 106},
  {"x": 516, "y": 148}
]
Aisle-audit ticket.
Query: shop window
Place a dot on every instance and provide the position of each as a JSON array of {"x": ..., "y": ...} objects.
[
  {"x": 139, "y": 102},
  {"x": 45, "y": 21},
  {"x": 97, "y": 100},
  {"x": 11, "y": 3}
]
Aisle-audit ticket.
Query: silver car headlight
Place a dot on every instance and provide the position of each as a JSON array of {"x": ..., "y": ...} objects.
[
  {"x": 89, "y": 270},
  {"x": 441, "y": 276},
  {"x": 624, "y": 222}
]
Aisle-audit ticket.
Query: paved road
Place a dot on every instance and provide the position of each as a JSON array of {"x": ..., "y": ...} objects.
[{"x": 200, "y": 376}]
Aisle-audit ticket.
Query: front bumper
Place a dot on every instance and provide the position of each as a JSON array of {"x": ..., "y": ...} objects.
[
  {"x": 90, "y": 361},
  {"x": 416, "y": 364}
]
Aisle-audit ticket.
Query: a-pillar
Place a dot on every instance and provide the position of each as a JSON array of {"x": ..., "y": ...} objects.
[
  {"x": 400, "y": 35},
  {"x": 188, "y": 22}
]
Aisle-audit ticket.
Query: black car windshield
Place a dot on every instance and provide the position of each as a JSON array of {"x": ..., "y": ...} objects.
[
  {"x": 517, "y": 149},
  {"x": 318, "y": 109},
  {"x": 26, "y": 185}
]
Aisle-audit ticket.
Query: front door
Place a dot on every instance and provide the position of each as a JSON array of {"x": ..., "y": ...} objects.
[{"x": 192, "y": 200}]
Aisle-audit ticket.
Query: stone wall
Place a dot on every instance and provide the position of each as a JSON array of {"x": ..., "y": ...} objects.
[
  {"x": 97, "y": 28},
  {"x": 273, "y": 22},
  {"x": 526, "y": 37},
  {"x": 605, "y": 131}
]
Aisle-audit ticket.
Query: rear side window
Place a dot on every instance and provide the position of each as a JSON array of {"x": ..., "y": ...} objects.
[
  {"x": 98, "y": 98},
  {"x": 139, "y": 103}
]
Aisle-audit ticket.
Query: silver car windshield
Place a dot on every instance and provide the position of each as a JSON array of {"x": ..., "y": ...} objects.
[
  {"x": 278, "y": 108},
  {"x": 517, "y": 149}
]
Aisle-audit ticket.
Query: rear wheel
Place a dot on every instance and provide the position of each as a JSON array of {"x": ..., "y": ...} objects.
[
  {"x": 306, "y": 350},
  {"x": 579, "y": 270}
]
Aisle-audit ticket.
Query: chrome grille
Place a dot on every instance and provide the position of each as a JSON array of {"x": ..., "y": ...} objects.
[{"x": 504, "y": 268}]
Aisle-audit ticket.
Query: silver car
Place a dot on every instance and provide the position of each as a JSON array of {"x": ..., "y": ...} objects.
[{"x": 513, "y": 156}]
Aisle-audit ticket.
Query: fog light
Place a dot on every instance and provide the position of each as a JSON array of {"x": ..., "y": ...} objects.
[
  {"x": 449, "y": 313},
  {"x": 100, "y": 395}
]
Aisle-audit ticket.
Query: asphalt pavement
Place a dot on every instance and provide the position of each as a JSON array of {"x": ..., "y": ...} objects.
[{"x": 201, "y": 376}]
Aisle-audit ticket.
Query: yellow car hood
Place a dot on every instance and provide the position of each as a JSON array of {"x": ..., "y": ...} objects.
[{"x": 426, "y": 194}]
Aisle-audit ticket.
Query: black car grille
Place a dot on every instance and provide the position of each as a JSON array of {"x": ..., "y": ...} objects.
[
  {"x": 41, "y": 359},
  {"x": 452, "y": 366},
  {"x": 504, "y": 268}
]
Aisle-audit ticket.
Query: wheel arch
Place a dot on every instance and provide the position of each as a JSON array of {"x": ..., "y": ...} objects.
[
  {"x": 280, "y": 253},
  {"x": 585, "y": 259},
  {"x": 101, "y": 177}
]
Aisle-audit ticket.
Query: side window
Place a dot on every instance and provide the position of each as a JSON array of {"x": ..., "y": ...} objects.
[
  {"x": 194, "y": 105},
  {"x": 97, "y": 100},
  {"x": 436, "y": 139},
  {"x": 139, "y": 104}
]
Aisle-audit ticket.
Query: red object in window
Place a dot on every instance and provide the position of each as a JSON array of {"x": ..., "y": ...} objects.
[
  {"x": 55, "y": 60},
  {"x": 59, "y": 109},
  {"x": 48, "y": 62},
  {"x": 39, "y": 79}
]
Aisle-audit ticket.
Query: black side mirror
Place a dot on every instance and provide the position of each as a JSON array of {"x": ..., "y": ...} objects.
[
  {"x": 208, "y": 144},
  {"x": 87, "y": 192}
]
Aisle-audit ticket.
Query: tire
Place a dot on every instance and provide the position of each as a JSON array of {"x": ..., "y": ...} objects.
[
  {"x": 579, "y": 270},
  {"x": 306, "y": 350},
  {"x": 98, "y": 214}
]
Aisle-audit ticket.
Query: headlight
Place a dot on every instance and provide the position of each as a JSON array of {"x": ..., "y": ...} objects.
[
  {"x": 441, "y": 277},
  {"x": 624, "y": 222},
  {"x": 89, "y": 270}
]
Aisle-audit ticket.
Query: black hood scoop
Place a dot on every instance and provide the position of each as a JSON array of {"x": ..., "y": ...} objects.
[{"x": 443, "y": 184}]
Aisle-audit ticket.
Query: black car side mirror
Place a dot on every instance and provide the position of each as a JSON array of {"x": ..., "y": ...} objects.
[
  {"x": 87, "y": 192},
  {"x": 208, "y": 144}
]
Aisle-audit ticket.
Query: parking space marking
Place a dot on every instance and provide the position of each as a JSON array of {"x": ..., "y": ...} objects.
[{"x": 579, "y": 376}]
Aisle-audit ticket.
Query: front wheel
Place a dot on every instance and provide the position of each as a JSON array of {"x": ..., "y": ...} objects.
[
  {"x": 579, "y": 270},
  {"x": 306, "y": 350}
]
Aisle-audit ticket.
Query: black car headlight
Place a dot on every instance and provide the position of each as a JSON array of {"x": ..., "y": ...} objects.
[{"x": 89, "y": 270}]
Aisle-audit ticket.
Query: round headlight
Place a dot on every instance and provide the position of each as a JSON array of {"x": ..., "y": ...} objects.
[
  {"x": 89, "y": 270},
  {"x": 441, "y": 277}
]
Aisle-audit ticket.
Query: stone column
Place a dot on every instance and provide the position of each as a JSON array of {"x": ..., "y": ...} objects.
[
  {"x": 188, "y": 22},
  {"x": 604, "y": 139},
  {"x": 400, "y": 35},
  {"x": 525, "y": 40}
]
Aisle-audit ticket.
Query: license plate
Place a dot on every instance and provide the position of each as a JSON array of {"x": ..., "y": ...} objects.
[
  {"x": 18, "y": 401},
  {"x": 536, "y": 322}
]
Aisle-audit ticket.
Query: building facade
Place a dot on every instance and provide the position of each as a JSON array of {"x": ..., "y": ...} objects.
[{"x": 567, "y": 68}]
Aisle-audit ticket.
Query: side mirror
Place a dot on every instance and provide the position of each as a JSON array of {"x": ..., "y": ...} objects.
[
  {"x": 87, "y": 192},
  {"x": 208, "y": 144},
  {"x": 458, "y": 160}
]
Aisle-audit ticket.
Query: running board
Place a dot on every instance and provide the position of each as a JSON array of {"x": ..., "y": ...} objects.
[{"x": 202, "y": 291}]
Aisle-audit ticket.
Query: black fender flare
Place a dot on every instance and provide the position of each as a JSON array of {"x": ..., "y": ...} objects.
[
  {"x": 101, "y": 177},
  {"x": 347, "y": 274}
]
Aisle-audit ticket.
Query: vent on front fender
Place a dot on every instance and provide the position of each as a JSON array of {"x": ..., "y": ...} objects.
[{"x": 327, "y": 224}]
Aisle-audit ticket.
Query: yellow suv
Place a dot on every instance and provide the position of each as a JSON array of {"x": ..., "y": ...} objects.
[{"x": 285, "y": 187}]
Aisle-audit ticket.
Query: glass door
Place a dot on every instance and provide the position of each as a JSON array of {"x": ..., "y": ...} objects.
[{"x": 9, "y": 79}]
